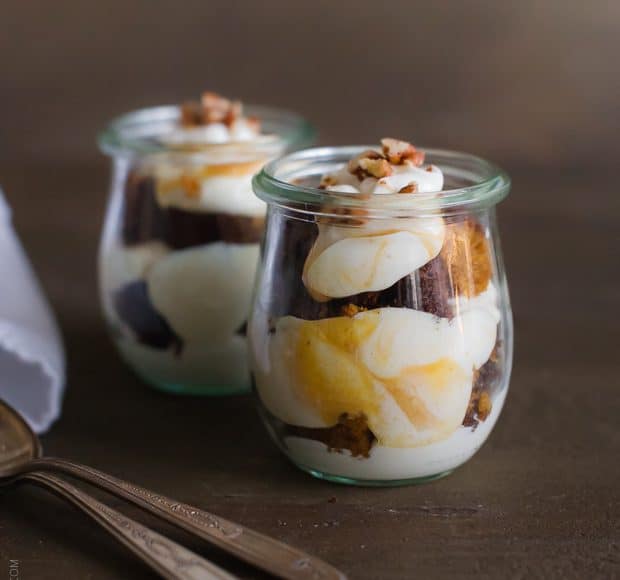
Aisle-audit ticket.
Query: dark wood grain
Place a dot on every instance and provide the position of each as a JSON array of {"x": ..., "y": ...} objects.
[{"x": 532, "y": 85}]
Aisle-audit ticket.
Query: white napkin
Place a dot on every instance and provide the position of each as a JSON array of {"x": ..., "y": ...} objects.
[{"x": 32, "y": 363}]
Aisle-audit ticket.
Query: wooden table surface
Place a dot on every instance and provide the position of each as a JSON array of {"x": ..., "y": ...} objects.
[
  {"x": 540, "y": 500},
  {"x": 532, "y": 85}
]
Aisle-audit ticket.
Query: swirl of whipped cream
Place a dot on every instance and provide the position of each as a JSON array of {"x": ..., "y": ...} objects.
[
  {"x": 223, "y": 188},
  {"x": 213, "y": 299},
  {"x": 409, "y": 372},
  {"x": 371, "y": 255},
  {"x": 239, "y": 130}
]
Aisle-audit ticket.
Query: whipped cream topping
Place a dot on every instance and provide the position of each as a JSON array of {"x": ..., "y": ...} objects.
[
  {"x": 353, "y": 255},
  {"x": 223, "y": 188},
  {"x": 427, "y": 180},
  {"x": 397, "y": 168},
  {"x": 239, "y": 130},
  {"x": 348, "y": 260}
]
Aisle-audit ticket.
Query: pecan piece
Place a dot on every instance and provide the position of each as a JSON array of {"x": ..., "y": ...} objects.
[
  {"x": 214, "y": 102},
  {"x": 327, "y": 181},
  {"x": 484, "y": 406},
  {"x": 376, "y": 167},
  {"x": 354, "y": 164},
  {"x": 397, "y": 152},
  {"x": 233, "y": 113},
  {"x": 191, "y": 114},
  {"x": 409, "y": 188},
  {"x": 351, "y": 309},
  {"x": 217, "y": 109}
]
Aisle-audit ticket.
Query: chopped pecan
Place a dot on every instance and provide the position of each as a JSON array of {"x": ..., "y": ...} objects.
[
  {"x": 353, "y": 165},
  {"x": 327, "y": 181},
  {"x": 397, "y": 152},
  {"x": 214, "y": 102},
  {"x": 191, "y": 114},
  {"x": 212, "y": 108},
  {"x": 351, "y": 309},
  {"x": 233, "y": 113},
  {"x": 356, "y": 168},
  {"x": 376, "y": 167},
  {"x": 484, "y": 406},
  {"x": 409, "y": 188}
]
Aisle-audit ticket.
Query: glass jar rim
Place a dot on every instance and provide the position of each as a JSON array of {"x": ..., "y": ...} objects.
[
  {"x": 135, "y": 134},
  {"x": 485, "y": 184}
]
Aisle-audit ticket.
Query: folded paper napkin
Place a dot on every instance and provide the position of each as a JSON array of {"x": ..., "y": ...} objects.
[{"x": 32, "y": 363}]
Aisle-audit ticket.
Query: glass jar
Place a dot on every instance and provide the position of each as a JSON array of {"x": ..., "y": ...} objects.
[
  {"x": 402, "y": 383},
  {"x": 180, "y": 244}
]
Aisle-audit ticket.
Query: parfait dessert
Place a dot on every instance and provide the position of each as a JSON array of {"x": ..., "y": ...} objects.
[
  {"x": 181, "y": 240},
  {"x": 381, "y": 332}
]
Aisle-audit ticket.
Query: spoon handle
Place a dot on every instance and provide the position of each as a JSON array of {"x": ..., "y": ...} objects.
[
  {"x": 253, "y": 547},
  {"x": 166, "y": 557}
]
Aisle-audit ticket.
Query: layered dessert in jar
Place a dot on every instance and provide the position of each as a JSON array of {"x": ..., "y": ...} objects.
[
  {"x": 181, "y": 240},
  {"x": 381, "y": 338}
]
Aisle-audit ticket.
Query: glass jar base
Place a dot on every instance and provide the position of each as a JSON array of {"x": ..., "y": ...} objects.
[
  {"x": 151, "y": 367},
  {"x": 371, "y": 482},
  {"x": 196, "y": 390}
]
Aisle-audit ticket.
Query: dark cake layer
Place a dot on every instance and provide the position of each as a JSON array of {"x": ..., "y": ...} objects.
[
  {"x": 428, "y": 289},
  {"x": 144, "y": 220},
  {"x": 134, "y": 308},
  {"x": 351, "y": 433},
  {"x": 486, "y": 382}
]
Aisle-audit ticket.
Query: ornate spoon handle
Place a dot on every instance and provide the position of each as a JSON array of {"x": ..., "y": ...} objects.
[
  {"x": 166, "y": 557},
  {"x": 258, "y": 549}
]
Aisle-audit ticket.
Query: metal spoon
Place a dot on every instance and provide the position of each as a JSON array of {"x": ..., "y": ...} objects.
[
  {"x": 19, "y": 446},
  {"x": 169, "y": 559},
  {"x": 282, "y": 560}
]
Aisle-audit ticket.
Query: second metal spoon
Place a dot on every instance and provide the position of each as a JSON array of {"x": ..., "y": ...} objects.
[
  {"x": 258, "y": 549},
  {"x": 169, "y": 559}
]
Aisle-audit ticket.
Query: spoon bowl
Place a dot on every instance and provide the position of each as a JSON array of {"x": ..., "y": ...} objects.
[
  {"x": 18, "y": 443},
  {"x": 21, "y": 454},
  {"x": 21, "y": 460}
]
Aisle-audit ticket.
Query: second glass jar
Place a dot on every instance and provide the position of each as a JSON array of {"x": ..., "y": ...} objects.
[
  {"x": 180, "y": 246},
  {"x": 381, "y": 331}
]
